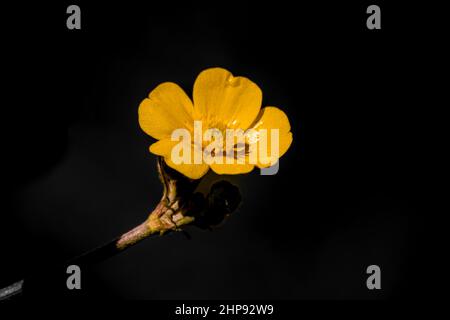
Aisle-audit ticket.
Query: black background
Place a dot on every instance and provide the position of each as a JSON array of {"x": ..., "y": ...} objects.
[{"x": 77, "y": 170}]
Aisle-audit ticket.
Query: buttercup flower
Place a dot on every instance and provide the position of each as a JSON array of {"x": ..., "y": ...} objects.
[
  {"x": 232, "y": 135},
  {"x": 221, "y": 104}
]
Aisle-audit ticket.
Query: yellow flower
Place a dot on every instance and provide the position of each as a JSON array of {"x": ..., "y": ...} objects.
[{"x": 220, "y": 101}]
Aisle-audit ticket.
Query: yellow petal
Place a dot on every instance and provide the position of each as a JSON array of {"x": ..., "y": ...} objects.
[
  {"x": 224, "y": 100},
  {"x": 163, "y": 147},
  {"x": 285, "y": 141},
  {"x": 273, "y": 118},
  {"x": 167, "y": 108},
  {"x": 231, "y": 168},
  {"x": 192, "y": 171}
]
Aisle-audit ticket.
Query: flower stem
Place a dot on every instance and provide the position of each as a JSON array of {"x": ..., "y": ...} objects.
[
  {"x": 119, "y": 244},
  {"x": 133, "y": 236},
  {"x": 170, "y": 214}
]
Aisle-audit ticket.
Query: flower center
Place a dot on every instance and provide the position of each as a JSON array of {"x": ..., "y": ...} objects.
[{"x": 217, "y": 139}]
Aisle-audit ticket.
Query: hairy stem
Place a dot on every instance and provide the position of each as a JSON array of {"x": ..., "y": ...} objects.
[
  {"x": 152, "y": 226},
  {"x": 169, "y": 215}
]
